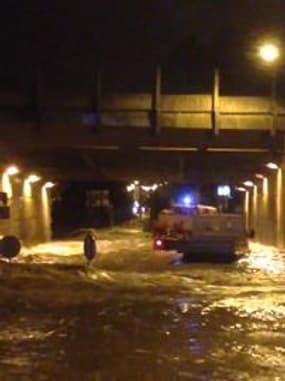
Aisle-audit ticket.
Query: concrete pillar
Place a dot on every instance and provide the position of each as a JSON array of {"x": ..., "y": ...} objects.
[
  {"x": 246, "y": 209},
  {"x": 259, "y": 211},
  {"x": 254, "y": 218},
  {"x": 215, "y": 102},
  {"x": 271, "y": 217},
  {"x": 263, "y": 211},
  {"x": 279, "y": 207}
]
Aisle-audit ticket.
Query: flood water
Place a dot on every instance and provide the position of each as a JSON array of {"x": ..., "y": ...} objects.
[{"x": 142, "y": 315}]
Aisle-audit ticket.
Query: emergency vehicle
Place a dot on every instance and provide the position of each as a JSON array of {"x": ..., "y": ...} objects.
[{"x": 201, "y": 233}]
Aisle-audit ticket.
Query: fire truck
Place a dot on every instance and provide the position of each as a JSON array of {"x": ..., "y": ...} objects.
[{"x": 201, "y": 233}]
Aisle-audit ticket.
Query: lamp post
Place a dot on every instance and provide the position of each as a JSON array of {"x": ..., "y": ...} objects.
[
  {"x": 31, "y": 179},
  {"x": 270, "y": 55},
  {"x": 269, "y": 52},
  {"x": 245, "y": 191},
  {"x": 6, "y": 179}
]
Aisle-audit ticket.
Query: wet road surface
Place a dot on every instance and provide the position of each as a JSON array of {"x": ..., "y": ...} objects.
[{"x": 137, "y": 314}]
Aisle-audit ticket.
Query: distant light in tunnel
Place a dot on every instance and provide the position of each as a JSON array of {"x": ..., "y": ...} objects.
[
  {"x": 248, "y": 183},
  {"x": 148, "y": 188},
  {"x": 241, "y": 189},
  {"x": 259, "y": 176},
  {"x": 130, "y": 187},
  {"x": 272, "y": 166}
]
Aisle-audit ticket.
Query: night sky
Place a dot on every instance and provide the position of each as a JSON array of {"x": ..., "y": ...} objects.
[{"x": 67, "y": 40}]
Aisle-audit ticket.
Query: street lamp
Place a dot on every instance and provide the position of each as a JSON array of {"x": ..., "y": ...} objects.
[
  {"x": 269, "y": 53},
  {"x": 31, "y": 179},
  {"x": 48, "y": 185},
  {"x": 246, "y": 201},
  {"x": 248, "y": 183},
  {"x": 259, "y": 176},
  {"x": 273, "y": 166},
  {"x": 6, "y": 181},
  {"x": 12, "y": 170}
]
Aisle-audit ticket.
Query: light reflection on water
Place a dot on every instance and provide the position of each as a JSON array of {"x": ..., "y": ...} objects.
[
  {"x": 265, "y": 258},
  {"x": 136, "y": 316}
]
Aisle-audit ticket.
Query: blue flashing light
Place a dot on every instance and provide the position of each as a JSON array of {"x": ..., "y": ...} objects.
[{"x": 187, "y": 200}]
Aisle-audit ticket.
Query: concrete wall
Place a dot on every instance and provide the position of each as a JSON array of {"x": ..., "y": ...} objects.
[
  {"x": 267, "y": 208},
  {"x": 29, "y": 213}
]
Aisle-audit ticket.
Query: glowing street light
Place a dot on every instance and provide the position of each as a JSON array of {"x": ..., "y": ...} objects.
[
  {"x": 48, "y": 185},
  {"x": 27, "y": 190},
  {"x": 248, "y": 183},
  {"x": 271, "y": 165},
  {"x": 130, "y": 187},
  {"x": 241, "y": 189},
  {"x": 259, "y": 176},
  {"x": 12, "y": 170},
  {"x": 32, "y": 179},
  {"x": 269, "y": 53}
]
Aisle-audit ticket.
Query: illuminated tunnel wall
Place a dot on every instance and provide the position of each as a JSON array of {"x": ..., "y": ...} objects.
[
  {"x": 29, "y": 211},
  {"x": 267, "y": 208}
]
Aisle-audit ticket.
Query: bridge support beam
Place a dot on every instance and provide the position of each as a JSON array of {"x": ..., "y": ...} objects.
[
  {"x": 156, "y": 101},
  {"x": 215, "y": 103},
  {"x": 96, "y": 101}
]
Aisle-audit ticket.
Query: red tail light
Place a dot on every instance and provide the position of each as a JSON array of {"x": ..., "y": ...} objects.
[{"x": 158, "y": 243}]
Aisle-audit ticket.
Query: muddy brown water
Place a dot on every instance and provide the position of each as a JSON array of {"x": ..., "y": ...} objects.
[{"x": 140, "y": 315}]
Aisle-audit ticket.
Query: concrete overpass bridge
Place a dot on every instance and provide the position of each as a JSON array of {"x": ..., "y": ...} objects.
[
  {"x": 123, "y": 136},
  {"x": 153, "y": 136}
]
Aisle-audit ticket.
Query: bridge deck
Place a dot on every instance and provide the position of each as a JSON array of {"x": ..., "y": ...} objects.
[{"x": 123, "y": 127}]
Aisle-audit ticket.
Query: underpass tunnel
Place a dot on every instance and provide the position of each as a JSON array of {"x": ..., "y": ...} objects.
[{"x": 263, "y": 203}]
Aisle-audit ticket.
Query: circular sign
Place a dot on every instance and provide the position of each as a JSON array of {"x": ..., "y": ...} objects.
[{"x": 10, "y": 246}]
